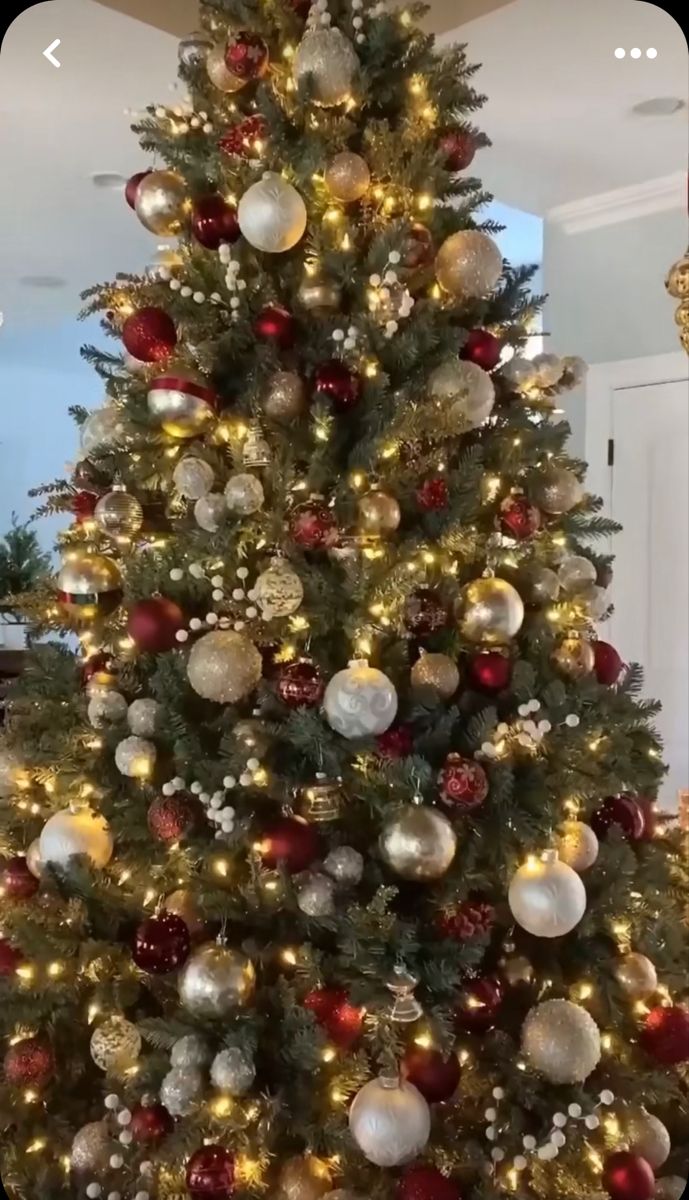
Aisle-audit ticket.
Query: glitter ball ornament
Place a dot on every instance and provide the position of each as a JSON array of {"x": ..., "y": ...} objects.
[
  {"x": 636, "y": 976},
  {"x": 577, "y": 845},
  {"x": 101, "y": 431},
  {"x": 224, "y": 666},
  {"x": 319, "y": 295},
  {"x": 345, "y": 865},
  {"x": 246, "y": 138},
  {"x": 424, "y": 1182},
  {"x": 336, "y": 382},
  {"x": 68, "y": 834},
  {"x": 272, "y": 215},
  {"x": 16, "y": 879},
  {"x": 435, "y": 677},
  {"x": 490, "y": 671},
  {"x": 216, "y": 981},
  {"x": 92, "y": 1149},
  {"x": 300, "y": 683},
  {"x": 183, "y": 903},
  {"x": 193, "y": 48},
  {"x": 181, "y": 1090},
  {"x": 665, "y": 1035},
  {"x": 557, "y": 490},
  {"x": 244, "y": 494},
  {"x": 418, "y": 843},
  {"x": 468, "y": 264},
  {"x": 233, "y": 1071},
  {"x": 190, "y": 1052},
  {"x": 561, "y": 1041},
  {"x": 132, "y": 186},
  {"x": 210, "y": 512},
  {"x": 211, "y": 1174},
  {"x": 149, "y": 335},
  {"x": 433, "y": 495},
  {"x": 397, "y": 742},
  {"x": 458, "y": 148},
  {"x": 479, "y": 1004},
  {"x": 327, "y": 66},
  {"x": 304, "y": 1177},
  {"x": 160, "y": 203},
  {"x": 547, "y": 898},
  {"x": 538, "y": 585},
  {"x": 435, "y": 1076},
  {"x": 607, "y": 664},
  {"x": 316, "y": 895},
  {"x": 246, "y": 55},
  {"x": 181, "y": 405},
  {"x": 490, "y": 611},
  {"x": 172, "y": 818},
  {"x": 119, "y": 514},
  {"x": 623, "y": 813},
  {"x": 627, "y": 1176},
  {"x": 276, "y": 325},
  {"x": 161, "y": 944},
  {"x": 482, "y": 348},
  {"x": 291, "y": 843},
  {"x": 143, "y": 716},
  {"x": 285, "y": 397},
  {"x": 379, "y": 514},
  {"x": 647, "y": 1136},
  {"x": 214, "y": 222},
  {"x": 347, "y": 177},
  {"x": 216, "y": 68},
  {"x": 390, "y": 1121},
  {"x": 115, "y": 1045},
  {"x": 29, "y": 1063},
  {"x": 463, "y": 783},
  {"x": 465, "y": 390},
  {"x": 278, "y": 591},
  {"x": 360, "y": 701},
  {"x": 573, "y": 658},
  {"x": 135, "y": 757},
  {"x": 89, "y": 585},
  {"x": 425, "y": 612},
  {"x": 153, "y": 624},
  {"x": 518, "y": 518},
  {"x": 313, "y": 526},
  {"x": 150, "y": 1124},
  {"x": 576, "y": 574}
]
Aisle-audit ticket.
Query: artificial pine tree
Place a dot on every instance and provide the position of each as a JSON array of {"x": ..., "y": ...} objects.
[{"x": 331, "y": 860}]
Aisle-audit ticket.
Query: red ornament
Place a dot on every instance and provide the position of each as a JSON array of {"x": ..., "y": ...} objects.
[
  {"x": 650, "y": 816},
  {"x": 291, "y": 843},
  {"x": 83, "y": 505},
  {"x": 491, "y": 671},
  {"x": 625, "y": 813},
  {"x": 153, "y": 624},
  {"x": 171, "y": 818},
  {"x": 397, "y": 742},
  {"x": 242, "y": 138},
  {"x": 17, "y": 881},
  {"x": 518, "y": 518},
  {"x": 425, "y": 612},
  {"x": 341, "y": 1020},
  {"x": 246, "y": 55},
  {"x": 300, "y": 684},
  {"x": 301, "y": 7},
  {"x": 276, "y": 324},
  {"x": 435, "y": 1076},
  {"x": 100, "y": 670},
  {"x": 150, "y": 1125},
  {"x": 665, "y": 1035},
  {"x": 463, "y": 783},
  {"x": 30, "y": 1063},
  {"x": 419, "y": 250},
  {"x": 149, "y": 335},
  {"x": 214, "y": 221},
  {"x": 161, "y": 944},
  {"x": 313, "y": 526},
  {"x": 479, "y": 1005},
  {"x": 132, "y": 186},
  {"x": 470, "y": 919},
  {"x": 10, "y": 959},
  {"x": 334, "y": 381},
  {"x": 421, "y": 1182},
  {"x": 433, "y": 494},
  {"x": 458, "y": 148},
  {"x": 608, "y": 665},
  {"x": 210, "y": 1174},
  {"x": 628, "y": 1176},
  {"x": 482, "y": 348}
]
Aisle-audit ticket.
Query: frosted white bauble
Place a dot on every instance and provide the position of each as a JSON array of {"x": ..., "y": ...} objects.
[
  {"x": 181, "y": 1090},
  {"x": 468, "y": 264},
  {"x": 224, "y": 666},
  {"x": 76, "y": 833},
  {"x": 390, "y": 1121},
  {"x": 106, "y": 708},
  {"x": 209, "y": 512},
  {"x": 637, "y": 976},
  {"x": 272, "y": 215},
  {"x": 233, "y": 1071},
  {"x": 562, "y": 1041},
  {"x": 519, "y": 373},
  {"x": 135, "y": 757},
  {"x": 647, "y": 1137},
  {"x": 548, "y": 369},
  {"x": 91, "y": 1149},
  {"x": 466, "y": 389},
  {"x": 115, "y": 1045},
  {"x": 244, "y": 494},
  {"x": 193, "y": 477},
  {"x": 670, "y": 1187},
  {"x": 547, "y": 898},
  {"x": 345, "y": 865},
  {"x": 316, "y": 895},
  {"x": 326, "y": 62},
  {"x": 142, "y": 717},
  {"x": 190, "y": 1051},
  {"x": 575, "y": 369},
  {"x": 577, "y": 845},
  {"x": 576, "y": 574},
  {"x": 278, "y": 591},
  {"x": 360, "y": 701}
]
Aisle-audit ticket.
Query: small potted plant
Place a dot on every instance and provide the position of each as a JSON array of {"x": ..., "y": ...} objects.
[{"x": 22, "y": 563}]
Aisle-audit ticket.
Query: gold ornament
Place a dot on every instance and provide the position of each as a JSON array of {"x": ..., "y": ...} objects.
[
  {"x": 557, "y": 490},
  {"x": 516, "y": 969},
  {"x": 89, "y": 585},
  {"x": 577, "y": 845},
  {"x": 278, "y": 591},
  {"x": 562, "y": 1041},
  {"x": 418, "y": 843},
  {"x": 347, "y": 177},
  {"x": 92, "y": 1149},
  {"x": 574, "y": 658},
  {"x": 539, "y": 585},
  {"x": 161, "y": 201},
  {"x": 320, "y": 295},
  {"x": 182, "y": 405},
  {"x": 468, "y": 264},
  {"x": 682, "y": 314},
  {"x": 647, "y": 1136},
  {"x": 321, "y": 801},
  {"x": 465, "y": 390},
  {"x": 285, "y": 398},
  {"x": 304, "y": 1177},
  {"x": 636, "y": 976},
  {"x": 435, "y": 676},
  {"x": 224, "y": 666},
  {"x": 69, "y": 834},
  {"x": 216, "y": 981},
  {"x": 379, "y": 514},
  {"x": 255, "y": 451},
  {"x": 677, "y": 281},
  {"x": 119, "y": 514},
  {"x": 490, "y": 611},
  {"x": 327, "y": 65},
  {"x": 220, "y": 77},
  {"x": 253, "y": 736},
  {"x": 272, "y": 215}
]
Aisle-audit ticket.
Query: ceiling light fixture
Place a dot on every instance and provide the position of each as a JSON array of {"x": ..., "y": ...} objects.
[
  {"x": 659, "y": 106},
  {"x": 108, "y": 179},
  {"x": 43, "y": 281}
]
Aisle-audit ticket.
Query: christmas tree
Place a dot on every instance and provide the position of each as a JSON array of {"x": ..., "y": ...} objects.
[{"x": 331, "y": 861}]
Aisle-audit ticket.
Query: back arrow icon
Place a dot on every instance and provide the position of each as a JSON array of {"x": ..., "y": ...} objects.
[{"x": 49, "y": 53}]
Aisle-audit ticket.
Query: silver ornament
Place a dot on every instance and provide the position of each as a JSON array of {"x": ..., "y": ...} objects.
[
  {"x": 89, "y": 585},
  {"x": 548, "y": 369},
  {"x": 209, "y": 512},
  {"x": 33, "y": 859},
  {"x": 418, "y": 843},
  {"x": 465, "y": 390},
  {"x": 557, "y": 490},
  {"x": 181, "y": 1090},
  {"x": 102, "y": 430},
  {"x": 562, "y": 1041},
  {"x": 285, "y": 397},
  {"x": 435, "y": 677},
  {"x": 327, "y": 65},
  {"x": 160, "y": 203},
  {"x": 118, "y": 514},
  {"x": 347, "y": 177},
  {"x": 577, "y": 845},
  {"x": 115, "y": 1045},
  {"x": 547, "y": 898},
  {"x": 360, "y": 701},
  {"x": 244, "y": 494},
  {"x": 278, "y": 590},
  {"x": 304, "y": 1177},
  {"x": 142, "y": 717},
  {"x": 647, "y": 1136},
  {"x": 316, "y": 895},
  {"x": 468, "y": 264},
  {"x": 574, "y": 658},
  {"x": 135, "y": 757},
  {"x": 181, "y": 405},
  {"x": 224, "y": 666},
  {"x": 193, "y": 48},
  {"x": 637, "y": 976},
  {"x": 91, "y": 1149},
  {"x": 390, "y": 1121},
  {"x": 272, "y": 215},
  {"x": 490, "y": 612},
  {"x": 218, "y": 73},
  {"x": 106, "y": 708},
  {"x": 576, "y": 573},
  {"x": 671, "y": 1187},
  {"x": 216, "y": 981},
  {"x": 68, "y": 834},
  {"x": 193, "y": 477},
  {"x": 190, "y": 1051},
  {"x": 233, "y": 1071},
  {"x": 345, "y": 865},
  {"x": 539, "y": 585}
]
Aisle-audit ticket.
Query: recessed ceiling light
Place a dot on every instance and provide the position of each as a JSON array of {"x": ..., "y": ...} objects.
[
  {"x": 108, "y": 179},
  {"x": 43, "y": 281},
  {"x": 658, "y": 106}
]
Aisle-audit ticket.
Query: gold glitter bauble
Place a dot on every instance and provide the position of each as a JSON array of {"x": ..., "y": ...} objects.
[
  {"x": 435, "y": 676},
  {"x": 562, "y": 1041},
  {"x": 577, "y": 845},
  {"x": 557, "y": 490},
  {"x": 636, "y": 976},
  {"x": 347, "y": 177},
  {"x": 285, "y": 397},
  {"x": 327, "y": 65},
  {"x": 115, "y": 1045},
  {"x": 160, "y": 203},
  {"x": 574, "y": 658},
  {"x": 539, "y": 585},
  {"x": 418, "y": 843},
  {"x": 490, "y": 611},
  {"x": 379, "y": 514},
  {"x": 91, "y": 1149},
  {"x": 216, "y": 981},
  {"x": 224, "y": 666},
  {"x": 468, "y": 264}
]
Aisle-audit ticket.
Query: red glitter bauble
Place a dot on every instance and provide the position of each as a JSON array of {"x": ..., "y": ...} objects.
[
  {"x": 433, "y": 494},
  {"x": 153, "y": 624},
  {"x": 608, "y": 665},
  {"x": 246, "y": 55},
  {"x": 16, "y": 879},
  {"x": 214, "y": 221},
  {"x": 290, "y": 843},
  {"x": 458, "y": 148},
  {"x": 425, "y": 612},
  {"x": 479, "y": 1005},
  {"x": 418, "y": 250},
  {"x": 170, "y": 818},
  {"x": 276, "y": 324},
  {"x": 665, "y": 1035},
  {"x": 335, "y": 381},
  {"x": 435, "y": 1076},
  {"x": 397, "y": 742},
  {"x": 628, "y": 1176},
  {"x": 482, "y": 348},
  {"x": 470, "y": 919},
  {"x": 463, "y": 783},
  {"x": 299, "y": 684},
  {"x": 422, "y": 1182},
  {"x": 313, "y": 526},
  {"x": 149, "y": 1125},
  {"x": 132, "y": 186},
  {"x": 30, "y": 1063},
  {"x": 341, "y": 1020},
  {"x": 149, "y": 335},
  {"x": 210, "y": 1174},
  {"x": 83, "y": 505},
  {"x": 491, "y": 671},
  {"x": 242, "y": 138},
  {"x": 518, "y": 518},
  {"x": 622, "y": 812},
  {"x": 161, "y": 944},
  {"x": 10, "y": 959}
]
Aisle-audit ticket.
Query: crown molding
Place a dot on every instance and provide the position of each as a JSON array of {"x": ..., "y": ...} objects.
[{"x": 622, "y": 204}]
